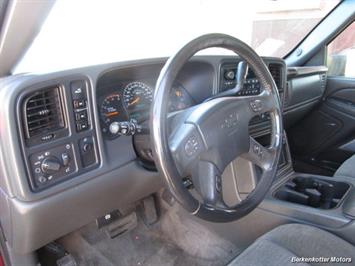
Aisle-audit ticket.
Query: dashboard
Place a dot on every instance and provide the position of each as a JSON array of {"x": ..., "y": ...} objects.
[
  {"x": 62, "y": 154},
  {"x": 131, "y": 100}
]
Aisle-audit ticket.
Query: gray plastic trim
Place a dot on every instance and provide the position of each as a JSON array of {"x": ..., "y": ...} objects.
[
  {"x": 349, "y": 146},
  {"x": 35, "y": 224},
  {"x": 304, "y": 71},
  {"x": 31, "y": 220},
  {"x": 19, "y": 21},
  {"x": 333, "y": 218},
  {"x": 323, "y": 33}
]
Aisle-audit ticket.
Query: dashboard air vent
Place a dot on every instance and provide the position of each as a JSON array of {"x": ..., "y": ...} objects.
[
  {"x": 43, "y": 112},
  {"x": 275, "y": 70}
]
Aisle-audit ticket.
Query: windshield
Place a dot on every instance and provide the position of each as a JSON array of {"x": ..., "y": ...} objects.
[{"x": 81, "y": 33}]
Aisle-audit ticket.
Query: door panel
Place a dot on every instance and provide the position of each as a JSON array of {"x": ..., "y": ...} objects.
[{"x": 326, "y": 137}]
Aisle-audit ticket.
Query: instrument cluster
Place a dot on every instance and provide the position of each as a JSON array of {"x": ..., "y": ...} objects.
[{"x": 131, "y": 102}]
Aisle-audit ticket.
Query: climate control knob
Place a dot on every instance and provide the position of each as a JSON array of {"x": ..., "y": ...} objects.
[{"x": 50, "y": 165}]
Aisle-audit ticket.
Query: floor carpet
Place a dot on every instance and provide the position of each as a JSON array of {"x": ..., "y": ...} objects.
[{"x": 174, "y": 240}]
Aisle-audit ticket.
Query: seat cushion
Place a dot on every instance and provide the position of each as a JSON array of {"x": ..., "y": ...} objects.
[
  {"x": 347, "y": 168},
  {"x": 288, "y": 242}
]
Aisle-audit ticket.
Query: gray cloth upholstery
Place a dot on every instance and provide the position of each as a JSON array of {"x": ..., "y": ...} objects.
[
  {"x": 280, "y": 245},
  {"x": 347, "y": 168}
]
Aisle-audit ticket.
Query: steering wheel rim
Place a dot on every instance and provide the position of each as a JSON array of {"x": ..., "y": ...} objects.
[{"x": 169, "y": 157}]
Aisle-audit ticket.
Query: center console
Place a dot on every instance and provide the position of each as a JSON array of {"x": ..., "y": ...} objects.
[
  {"x": 323, "y": 201},
  {"x": 313, "y": 192}
]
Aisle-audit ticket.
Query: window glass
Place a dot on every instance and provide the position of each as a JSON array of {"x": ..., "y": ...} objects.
[
  {"x": 81, "y": 32},
  {"x": 341, "y": 53}
]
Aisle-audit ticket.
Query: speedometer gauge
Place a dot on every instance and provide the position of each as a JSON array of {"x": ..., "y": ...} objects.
[{"x": 137, "y": 95}]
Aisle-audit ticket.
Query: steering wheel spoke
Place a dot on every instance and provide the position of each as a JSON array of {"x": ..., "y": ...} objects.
[
  {"x": 259, "y": 104},
  {"x": 186, "y": 145},
  {"x": 207, "y": 180},
  {"x": 259, "y": 155}
]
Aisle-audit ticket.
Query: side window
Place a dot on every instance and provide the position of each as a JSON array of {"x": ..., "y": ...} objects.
[{"x": 341, "y": 53}]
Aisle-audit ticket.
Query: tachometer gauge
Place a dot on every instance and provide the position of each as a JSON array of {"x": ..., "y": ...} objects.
[
  {"x": 111, "y": 110},
  {"x": 179, "y": 99},
  {"x": 137, "y": 95}
]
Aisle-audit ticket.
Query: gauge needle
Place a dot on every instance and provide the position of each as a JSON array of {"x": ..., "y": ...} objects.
[
  {"x": 136, "y": 100},
  {"x": 112, "y": 114}
]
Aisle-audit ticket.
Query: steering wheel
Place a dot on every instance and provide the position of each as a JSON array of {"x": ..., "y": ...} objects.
[{"x": 201, "y": 141}]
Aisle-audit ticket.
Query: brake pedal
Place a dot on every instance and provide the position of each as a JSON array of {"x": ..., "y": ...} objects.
[
  {"x": 149, "y": 211},
  {"x": 108, "y": 219},
  {"x": 122, "y": 225},
  {"x": 54, "y": 253}
]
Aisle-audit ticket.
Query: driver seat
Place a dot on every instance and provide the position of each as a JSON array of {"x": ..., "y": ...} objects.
[{"x": 285, "y": 243}]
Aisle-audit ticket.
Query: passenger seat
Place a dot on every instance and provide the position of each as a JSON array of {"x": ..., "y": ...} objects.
[{"x": 347, "y": 168}]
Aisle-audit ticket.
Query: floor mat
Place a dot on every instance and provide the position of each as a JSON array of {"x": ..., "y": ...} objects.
[{"x": 172, "y": 241}]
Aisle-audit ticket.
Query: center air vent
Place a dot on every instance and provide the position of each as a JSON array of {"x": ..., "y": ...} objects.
[
  {"x": 275, "y": 70},
  {"x": 43, "y": 112}
]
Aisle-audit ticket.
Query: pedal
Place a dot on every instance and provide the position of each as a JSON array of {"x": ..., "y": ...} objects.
[
  {"x": 167, "y": 197},
  {"x": 67, "y": 260},
  {"x": 108, "y": 218},
  {"x": 149, "y": 211},
  {"x": 122, "y": 225},
  {"x": 55, "y": 249},
  {"x": 55, "y": 254}
]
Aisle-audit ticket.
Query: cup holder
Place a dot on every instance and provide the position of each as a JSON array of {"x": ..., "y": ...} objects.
[{"x": 313, "y": 192}]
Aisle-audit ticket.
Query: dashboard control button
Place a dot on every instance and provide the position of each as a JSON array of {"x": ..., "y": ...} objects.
[
  {"x": 229, "y": 75},
  {"x": 256, "y": 105},
  {"x": 42, "y": 179},
  {"x": 87, "y": 147},
  {"x": 191, "y": 146},
  {"x": 78, "y": 90},
  {"x": 65, "y": 159},
  {"x": 54, "y": 164},
  {"x": 82, "y": 115},
  {"x": 79, "y": 104},
  {"x": 114, "y": 128},
  {"x": 126, "y": 128},
  {"x": 50, "y": 165},
  {"x": 87, "y": 151},
  {"x": 81, "y": 126}
]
